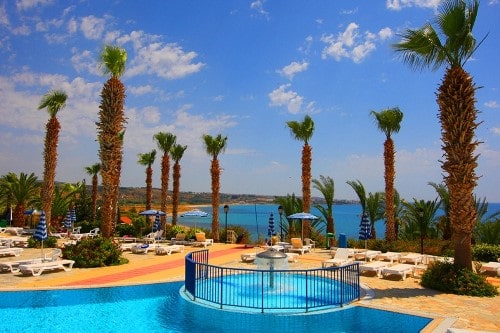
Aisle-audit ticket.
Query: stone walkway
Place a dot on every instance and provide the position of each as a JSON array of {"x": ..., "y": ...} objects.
[{"x": 451, "y": 313}]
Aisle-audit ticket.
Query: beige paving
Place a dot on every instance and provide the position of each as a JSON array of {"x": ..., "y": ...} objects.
[{"x": 461, "y": 313}]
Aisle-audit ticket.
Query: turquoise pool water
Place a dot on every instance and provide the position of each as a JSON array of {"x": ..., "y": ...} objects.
[{"x": 160, "y": 308}]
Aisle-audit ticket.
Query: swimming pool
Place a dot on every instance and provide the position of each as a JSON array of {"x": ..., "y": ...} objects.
[{"x": 160, "y": 308}]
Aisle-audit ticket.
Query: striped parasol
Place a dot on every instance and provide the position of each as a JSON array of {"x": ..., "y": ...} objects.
[{"x": 41, "y": 230}]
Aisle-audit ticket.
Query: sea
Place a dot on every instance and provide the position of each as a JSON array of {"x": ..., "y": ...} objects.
[{"x": 255, "y": 219}]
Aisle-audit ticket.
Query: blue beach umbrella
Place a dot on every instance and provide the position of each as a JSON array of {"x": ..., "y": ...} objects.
[
  {"x": 270, "y": 228},
  {"x": 303, "y": 216},
  {"x": 67, "y": 220},
  {"x": 157, "y": 223},
  {"x": 365, "y": 229},
  {"x": 194, "y": 213},
  {"x": 152, "y": 212},
  {"x": 73, "y": 215},
  {"x": 41, "y": 230}
]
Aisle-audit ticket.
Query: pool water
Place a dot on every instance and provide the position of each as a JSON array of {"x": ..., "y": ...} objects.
[{"x": 160, "y": 308}]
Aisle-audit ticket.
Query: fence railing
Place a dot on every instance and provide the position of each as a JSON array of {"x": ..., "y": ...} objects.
[{"x": 270, "y": 290}]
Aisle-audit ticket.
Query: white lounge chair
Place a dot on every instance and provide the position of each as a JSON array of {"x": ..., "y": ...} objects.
[
  {"x": 414, "y": 258},
  {"x": 13, "y": 266},
  {"x": 179, "y": 238},
  {"x": 367, "y": 255},
  {"x": 248, "y": 257},
  {"x": 389, "y": 256},
  {"x": 140, "y": 248},
  {"x": 201, "y": 240},
  {"x": 309, "y": 242},
  {"x": 168, "y": 249},
  {"x": 399, "y": 269},
  {"x": 373, "y": 266},
  {"x": 11, "y": 251},
  {"x": 298, "y": 246},
  {"x": 38, "y": 268},
  {"x": 491, "y": 267},
  {"x": 341, "y": 258},
  {"x": 292, "y": 257}
]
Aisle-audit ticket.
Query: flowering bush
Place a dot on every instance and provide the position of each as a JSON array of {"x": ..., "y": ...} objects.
[{"x": 94, "y": 252}]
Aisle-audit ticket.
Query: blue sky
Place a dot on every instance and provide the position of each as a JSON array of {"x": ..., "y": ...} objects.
[{"x": 243, "y": 69}]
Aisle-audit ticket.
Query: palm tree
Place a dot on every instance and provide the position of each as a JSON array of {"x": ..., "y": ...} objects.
[
  {"x": 177, "y": 151},
  {"x": 375, "y": 209},
  {"x": 164, "y": 141},
  {"x": 215, "y": 146},
  {"x": 358, "y": 187},
  {"x": 147, "y": 159},
  {"x": 23, "y": 191},
  {"x": 303, "y": 131},
  {"x": 420, "y": 216},
  {"x": 93, "y": 171},
  {"x": 444, "y": 220},
  {"x": 389, "y": 121},
  {"x": 291, "y": 204},
  {"x": 326, "y": 186},
  {"x": 111, "y": 131},
  {"x": 54, "y": 101},
  {"x": 452, "y": 45}
]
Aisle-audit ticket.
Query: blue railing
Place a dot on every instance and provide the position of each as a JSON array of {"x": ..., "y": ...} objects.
[{"x": 270, "y": 290}]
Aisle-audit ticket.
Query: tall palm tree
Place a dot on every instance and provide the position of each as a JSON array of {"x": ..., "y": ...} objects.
[
  {"x": 389, "y": 122},
  {"x": 177, "y": 151},
  {"x": 326, "y": 186},
  {"x": 147, "y": 159},
  {"x": 53, "y": 101},
  {"x": 23, "y": 191},
  {"x": 111, "y": 130},
  {"x": 291, "y": 204},
  {"x": 93, "y": 171},
  {"x": 215, "y": 146},
  {"x": 303, "y": 131},
  {"x": 452, "y": 45},
  {"x": 164, "y": 141}
]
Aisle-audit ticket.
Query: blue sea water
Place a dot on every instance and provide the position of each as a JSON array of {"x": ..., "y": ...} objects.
[{"x": 255, "y": 218}]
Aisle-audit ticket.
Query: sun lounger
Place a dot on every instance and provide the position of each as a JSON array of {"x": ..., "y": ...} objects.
[
  {"x": 140, "y": 248},
  {"x": 292, "y": 257},
  {"x": 202, "y": 241},
  {"x": 37, "y": 269},
  {"x": 389, "y": 256},
  {"x": 414, "y": 258},
  {"x": 298, "y": 246},
  {"x": 179, "y": 238},
  {"x": 13, "y": 266},
  {"x": 341, "y": 258},
  {"x": 168, "y": 249},
  {"x": 367, "y": 255},
  {"x": 248, "y": 257},
  {"x": 492, "y": 266},
  {"x": 399, "y": 269},
  {"x": 11, "y": 251},
  {"x": 373, "y": 266}
]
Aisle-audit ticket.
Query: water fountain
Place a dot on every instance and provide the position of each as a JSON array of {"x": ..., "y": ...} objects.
[{"x": 271, "y": 260}]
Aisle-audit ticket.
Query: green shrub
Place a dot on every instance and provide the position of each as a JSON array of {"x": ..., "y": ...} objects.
[
  {"x": 94, "y": 252},
  {"x": 125, "y": 229},
  {"x": 485, "y": 252},
  {"x": 448, "y": 278},
  {"x": 49, "y": 242}
]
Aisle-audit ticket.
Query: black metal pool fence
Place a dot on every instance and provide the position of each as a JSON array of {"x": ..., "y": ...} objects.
[{"x": 269, "y": 290}]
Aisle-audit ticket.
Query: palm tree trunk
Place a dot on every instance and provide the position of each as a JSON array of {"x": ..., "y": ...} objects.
[
  {"x": 306, "y": 186},
  {"x": 149, "y": 189},
  {"x": 390, "y": 227},
  {"x": 215, "y": 174},
  {"x": 176, "y": 191},
  {"x": 165, "y": 167},
  {"x": 110, "y": 128},
  {"x": 95, "y": 186},
  {"x": 49, "y": 171},
  {"x": 458, "y": 115}
]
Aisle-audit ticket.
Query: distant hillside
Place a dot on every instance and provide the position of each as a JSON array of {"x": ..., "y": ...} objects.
[{"x": 137, "y": 195}]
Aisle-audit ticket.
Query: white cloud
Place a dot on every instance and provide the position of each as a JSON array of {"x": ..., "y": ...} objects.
[
  {"x": 258, "y": 6},
  {"x": 350, "y": 44},
  {"x": 283, "y": 97},
  {"x": 400, "y": 4},
  {"x": 72, "y": 26},
  {"x": 492, "y": 104},
  {"x": 4, "y": 18},
  {"x": 28, "y": 4},
  {"x": 290, "y": 70},
  {"x": 84, "y": 61},
  {"x": 22, "y": 30},
  {"x": 166, "y": 61},
  {"x": 141, "y": 90},
  {"x": 92, "y": 27},
  {"x": 495, "y": 130}
]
